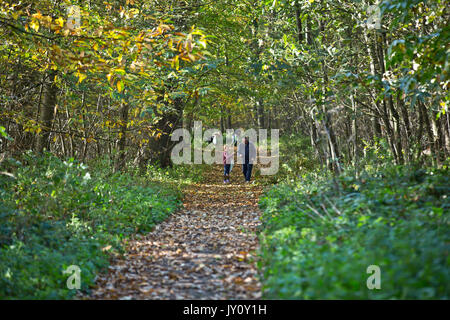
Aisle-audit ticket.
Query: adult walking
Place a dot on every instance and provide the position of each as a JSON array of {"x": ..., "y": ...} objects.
[{"x": 247, "y": 153}]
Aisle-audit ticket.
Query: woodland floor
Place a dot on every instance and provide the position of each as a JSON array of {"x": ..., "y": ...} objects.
[{"x": 203, "y": 251}]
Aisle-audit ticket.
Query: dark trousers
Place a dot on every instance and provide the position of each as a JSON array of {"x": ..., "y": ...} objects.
[
  {"x": 247, "y": 170},
  {"x": 226, "y": 169}
]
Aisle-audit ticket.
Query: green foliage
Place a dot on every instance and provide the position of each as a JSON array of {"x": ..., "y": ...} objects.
[
  {"x": 377, "y": 154},
  {"x": 59, "y": 213},
  {"x": 3, "y": 133},
  {"x": 179, "y": 174},
  {"x": 296, "y": 157},
  {"x": 320, "y": 236}
]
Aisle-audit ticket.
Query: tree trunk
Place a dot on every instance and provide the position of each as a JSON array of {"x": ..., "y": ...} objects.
[
  {"x": 354, "y": 132},
  {"x": 46, "y": 113},
  {"x": 161, "y": 144},
  {"x": 299, "y": 23},
  {"x": 396, "y": 133},
  {"x": 121, "y": 156},
  {"x": 222, "y": 121},
  {"x": 328, "y": 127},
  {"x": 406, "y": 122},
  {"x": 308, "y": 31},
  {"x": 260, "y": 110},
  {"x": 429, "y": 131}
]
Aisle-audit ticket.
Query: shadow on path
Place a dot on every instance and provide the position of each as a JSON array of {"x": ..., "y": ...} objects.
[{"x": 203, "y": 251}]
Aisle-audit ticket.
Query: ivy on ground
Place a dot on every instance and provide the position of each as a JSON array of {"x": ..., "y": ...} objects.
[
  {"x": 319, "y": 236},
  {"x": 56, "y": 213}
]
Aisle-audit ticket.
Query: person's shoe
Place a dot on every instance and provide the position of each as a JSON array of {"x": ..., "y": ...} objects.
[{"x": 224, "y": 181}]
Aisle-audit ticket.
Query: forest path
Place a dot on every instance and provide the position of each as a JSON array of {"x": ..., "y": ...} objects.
[{"x": 203, "y": 251}]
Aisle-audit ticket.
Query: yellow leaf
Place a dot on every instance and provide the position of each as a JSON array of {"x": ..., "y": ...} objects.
[
  {"x": 81, "y": 77},
  {"x": 191, "y": 57},
  {"x": 176, "y": 63},
  {"x": 119, "y": 71},
  {"x": 203, "y": 43},
  {"x": 110, "y": 78},
  {"x": 119, "y": 86},
  {"x": 34, "y": 25},
  {"x": 185, "y": 58},
  {"x": 37, "y": 15},
  {"x": 134, "y": 11},
  {"x": 60, "y": 22}
]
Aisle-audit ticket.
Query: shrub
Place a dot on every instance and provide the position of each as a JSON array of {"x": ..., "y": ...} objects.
[
  {"x": 319, "y": 236},
  {"x": 59, "y": 213}
]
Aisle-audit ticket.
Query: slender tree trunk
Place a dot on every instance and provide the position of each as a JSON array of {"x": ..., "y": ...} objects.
[
  {"x": 308, "y": 31},
  {"x": 61, "y": 135},
  {"x": 406, "y": 122},
  {"x": 222, "y": 121},
  {"x": 298, "y": 21},
  {"x": 419, "y": 134},
  {"x": 328, "y": 127},
  {"x": 437, "y": 137},
  {"x": 99, "y": 112},
  {"x": 46, "y": 114},
  {"x": 446, "y": 129},
  {"x": 354, "y": 132},
  {"x": 374, "y": 62},
  {"x": 428, "y": 130},
  {"x": 85, "y": 134},
  {"x": 396, "y": 133},
  {"x": 121, "y": 156},
  {"x": 376, "y": 127},
  {"x": 260, "y": 110}
]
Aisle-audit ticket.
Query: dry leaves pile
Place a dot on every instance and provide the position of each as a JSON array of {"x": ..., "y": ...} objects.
[{"x": 204, "y": 251}]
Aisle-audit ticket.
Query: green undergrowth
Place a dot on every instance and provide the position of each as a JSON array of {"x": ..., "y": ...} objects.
[
  {"x": 177, "y": 176},
  {"x": 296, "y": 157},
  {"x": 320, "y": 235},
  {"x": 54, "y": 214}
]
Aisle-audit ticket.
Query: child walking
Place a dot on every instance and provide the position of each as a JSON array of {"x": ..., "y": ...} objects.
[{"x": 227, "y": 163}]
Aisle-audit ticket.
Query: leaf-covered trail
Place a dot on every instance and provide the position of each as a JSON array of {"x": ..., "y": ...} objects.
[{"x": 203, "y": 251}]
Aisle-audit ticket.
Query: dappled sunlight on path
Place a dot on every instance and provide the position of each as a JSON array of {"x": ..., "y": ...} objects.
[{"x": 203, "y": 251}]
